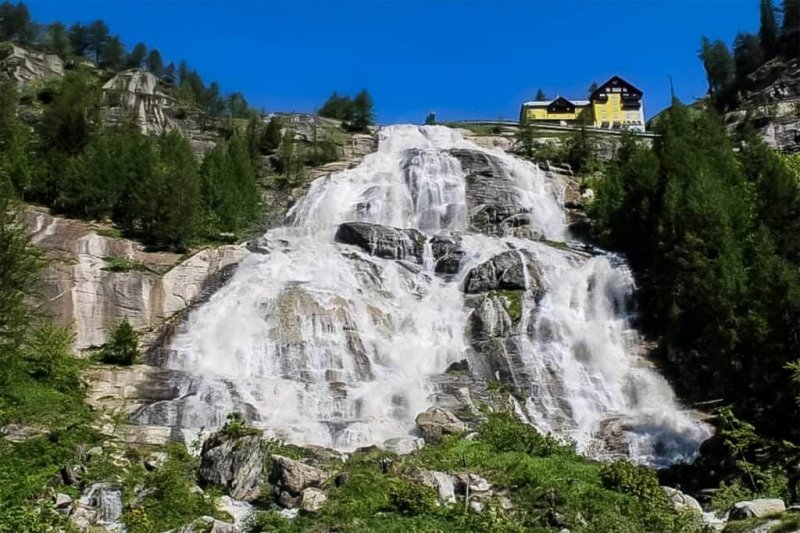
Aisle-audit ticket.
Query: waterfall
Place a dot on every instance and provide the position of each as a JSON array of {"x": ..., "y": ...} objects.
[{"x": 336, "y": 344}]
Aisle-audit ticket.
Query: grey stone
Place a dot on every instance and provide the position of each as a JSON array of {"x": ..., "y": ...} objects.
[
  {"x": 492, "y": 196},
  {"x": 105, "y": 499},
  {"x": 312, "y": 500},
  {"x": 758, "y": 508},
  {"x": 436, "y": 422},
  {"x": 404, "y": 445},
  {"x": 383, "y": 241},
  {"x": 234, "y": 463},
  {"x": 681, "y": 501},
  {"x": 293, "y": 476},
  {"x": 505, "y": 271}
]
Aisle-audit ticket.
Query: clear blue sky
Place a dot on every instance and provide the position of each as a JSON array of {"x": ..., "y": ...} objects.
[{"x": 460, "y": 59}]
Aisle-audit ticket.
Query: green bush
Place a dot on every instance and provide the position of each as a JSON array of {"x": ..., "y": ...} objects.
[
  {"x": 640, "y": 481},
  {"x": 169, "y": 501},
  {"x": 122, "y": 347},
  {"x": 412, "y": 499},
  {"x": 507, "y": 434}
]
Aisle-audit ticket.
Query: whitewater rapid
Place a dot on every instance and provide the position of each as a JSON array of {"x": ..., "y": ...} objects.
[{"x": 322, "y": 343}]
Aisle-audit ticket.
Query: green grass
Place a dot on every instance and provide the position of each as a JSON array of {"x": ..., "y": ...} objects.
[
  {"x": 113, "y": 233},
  {"x": 123, "y": 264},
  {"x": 533, "y": 468}
]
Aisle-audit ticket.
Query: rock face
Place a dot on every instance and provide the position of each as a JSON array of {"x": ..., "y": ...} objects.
[
  {"x": 771, "y": 102},
  {"x": 24, "y": 66},
  {"x": 434, "y": 423},
  {"x": 136, "y": 91},
  {"x": 383, "y": 241},
  {"x": 491, "y": 194},
  {"x": 292, "y": 478},
  {"x": 512, "y": 270},
  {"x": 81, "y": 291},
  {"x": 756, "y": 508},
  {"x": 236, "y": 464},
  {"x": 100, "y": 504}
]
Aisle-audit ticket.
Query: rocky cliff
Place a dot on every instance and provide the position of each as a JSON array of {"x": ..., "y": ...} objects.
[
  {"x": 772, "y": 104},
  {"x": 94, "y": 280}
]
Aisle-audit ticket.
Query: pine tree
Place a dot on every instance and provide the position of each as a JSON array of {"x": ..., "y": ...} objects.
[
  {"x": 271, "y": 136},
  {"x": 19, "y": 276},
  {"x": 98, "y": 35},
  {"x": 79, "y": 39},
  {"x": 170, "y": 204},
  {"x": 768, "y": 31},
  {"x": 58, "y": 39},
  {"x": 214, "y": 104},
  {"x": 15, "y": 22},
  {"x": 113, "y": 54},
  {"x": 540, "y": 96},
  {"x": 17, "y": 167},
  {"x": 137, "y": 56},
  {"x": 720, "y": 71},
  {"x": 592, "y": 88},
  {"x": 363, "y": 114},
  {"x": 154, "y": 62},
  {"x": 748, "y": 55},
  {"x": 122, "y": 347},
  {"x": 69, "y": 121},
  {"x": 790, "y": 34}
]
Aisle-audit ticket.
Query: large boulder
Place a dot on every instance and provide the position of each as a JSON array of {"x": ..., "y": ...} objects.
[
  {"x": 237, "y": 464},
  {"x": 756, "y": 508},
  {"x": 312, "y": 500},
  {"x": 383, "y": 241},
  {"x": 510, "y": 270},
  {"x": 290, "y": 478},
  {"x": 434, "y": 423},
  {"x": 681, "y": 501}
]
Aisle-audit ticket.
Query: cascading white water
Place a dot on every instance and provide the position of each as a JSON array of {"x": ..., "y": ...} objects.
[{"x": 322, "y": 343}]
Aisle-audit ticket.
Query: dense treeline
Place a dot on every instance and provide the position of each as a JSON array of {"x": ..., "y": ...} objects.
[
  {"x": 151, "y": 187},
  {"x": 711, "y": 234},
  {"x": 94, "y": 41},
  {"x": 356, "y": 113},
  {"x": 728, "y": 73}
]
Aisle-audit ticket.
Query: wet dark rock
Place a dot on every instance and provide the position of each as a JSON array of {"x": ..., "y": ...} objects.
[
  {"x": 234, "y": 463},
  {"x": 505, "y": 271},
  {"x": 383, "y": 241},
  {"x": 447, "y": 254},
  {"x": 492, "y": 196}
]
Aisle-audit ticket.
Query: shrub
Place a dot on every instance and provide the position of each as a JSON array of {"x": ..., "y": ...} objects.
[
  {"x": 640, "y": 481},
  {"x": 507, "y": 434},
  {"x": 122, "y": 347},
  {"x": 411, "y": 499}
]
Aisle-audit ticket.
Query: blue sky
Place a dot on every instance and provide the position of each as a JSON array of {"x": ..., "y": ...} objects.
[{"x": 475, "y": 59}]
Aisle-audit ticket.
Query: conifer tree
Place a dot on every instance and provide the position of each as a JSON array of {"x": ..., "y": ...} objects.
[
  {"x": 271, "y": 136},
  {"x": 363, "y": 115},
  {"x": 137, "y": 56},
  {"x": 113, "y": 54},
  {"x": 154, "y": 62},
  {"x": 58, "y": 39},
  {"x": 768, "y": 30},
  {"x": 540, "y": 96},
  {"x": 79, "y": 39},
  {"x": 98, "y": 35},
  {"x": 19, "y": 277}
]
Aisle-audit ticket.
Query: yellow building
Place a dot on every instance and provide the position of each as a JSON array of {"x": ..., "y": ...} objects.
[{"x": 616, "y": 104}]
